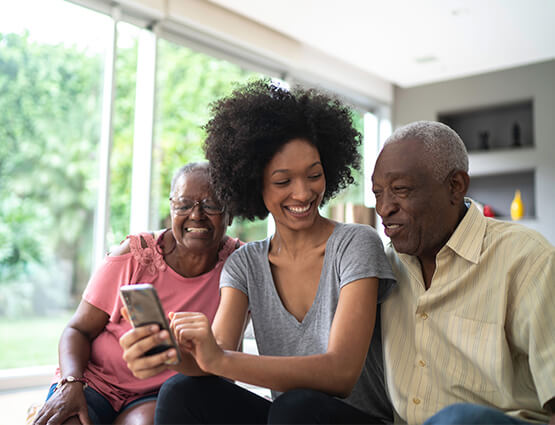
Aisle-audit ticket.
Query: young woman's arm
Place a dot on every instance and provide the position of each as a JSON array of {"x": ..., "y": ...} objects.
[{"x": 335, "y": 372}]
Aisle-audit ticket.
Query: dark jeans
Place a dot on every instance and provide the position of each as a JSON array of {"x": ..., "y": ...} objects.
[
  {"x": 213, "y": 400},
  {"x": 466, "y": 413},
  {"x": 99, "y": 408}
]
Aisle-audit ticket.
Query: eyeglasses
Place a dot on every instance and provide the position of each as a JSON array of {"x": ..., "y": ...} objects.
[{"x": 186, "y": 206}]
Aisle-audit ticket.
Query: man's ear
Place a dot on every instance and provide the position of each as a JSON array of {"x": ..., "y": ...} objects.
[{"x": 458, "y": 186}]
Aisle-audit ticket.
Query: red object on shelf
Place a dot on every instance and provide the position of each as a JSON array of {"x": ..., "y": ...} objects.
[{"x": 488, "y": 211}]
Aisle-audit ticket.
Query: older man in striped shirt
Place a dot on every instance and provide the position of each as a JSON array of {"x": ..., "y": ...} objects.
[{"x": 468, "y": 334}]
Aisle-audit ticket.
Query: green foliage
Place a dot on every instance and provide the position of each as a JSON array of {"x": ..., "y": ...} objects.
[
  {"x": 48, "y": 137},
  {"x": 353, "y": 193}
]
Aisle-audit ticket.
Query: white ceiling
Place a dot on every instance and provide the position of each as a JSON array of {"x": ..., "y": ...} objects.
[{"x": 412, "y": 42}]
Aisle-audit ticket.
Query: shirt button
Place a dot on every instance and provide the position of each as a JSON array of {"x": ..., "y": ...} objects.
[
  {"x": 422, "y": 363},
  {"x": 423, "y": 316},
  {"x": 416, "y": 400}
]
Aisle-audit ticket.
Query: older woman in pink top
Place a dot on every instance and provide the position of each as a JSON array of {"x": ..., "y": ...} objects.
[{"x": 93, "y": 383}]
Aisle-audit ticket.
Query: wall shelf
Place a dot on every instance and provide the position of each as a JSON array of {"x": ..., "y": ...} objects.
[
  {"x": 506, "y": 126},
  {"x": 498, "y": 191},
  {"x": 500, "y": 143}
]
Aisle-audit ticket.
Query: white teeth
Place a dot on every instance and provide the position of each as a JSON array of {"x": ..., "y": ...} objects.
[
  {"x": 392, "y": 226},
  {"x": 299, "y": 210},
  {"x": 196, "y": 230}
]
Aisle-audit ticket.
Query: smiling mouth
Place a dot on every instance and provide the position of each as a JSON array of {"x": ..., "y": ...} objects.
[
  {"x": 300, "y": 211},
  {"x": 391, "y": 229},
  {"x": 196, "y": 230}
]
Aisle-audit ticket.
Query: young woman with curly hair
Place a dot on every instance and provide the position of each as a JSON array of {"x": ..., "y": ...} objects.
[{"x": 312, "y": 289}]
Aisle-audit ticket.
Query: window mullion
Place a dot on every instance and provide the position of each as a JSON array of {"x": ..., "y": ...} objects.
[
  {"x": 106, "y": 141},
  {"x": 143, "y": 133}
]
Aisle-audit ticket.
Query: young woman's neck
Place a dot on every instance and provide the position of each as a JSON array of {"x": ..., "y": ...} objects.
[{"x": 294, "y": 242}]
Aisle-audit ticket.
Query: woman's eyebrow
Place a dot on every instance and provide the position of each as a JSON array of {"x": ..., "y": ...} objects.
[{"x": 285, "y": 170}]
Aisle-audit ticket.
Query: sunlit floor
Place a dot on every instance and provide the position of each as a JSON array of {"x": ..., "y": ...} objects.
[{"x": 14, "y": 404}]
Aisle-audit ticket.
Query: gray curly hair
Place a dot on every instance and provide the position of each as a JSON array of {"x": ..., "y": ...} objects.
[{"x": 446, "y": 149}]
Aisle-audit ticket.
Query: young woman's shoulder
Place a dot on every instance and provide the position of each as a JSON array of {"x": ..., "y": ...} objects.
[
  {"x": 252, "y": 249},
  {"x": 356, "y": 231}
]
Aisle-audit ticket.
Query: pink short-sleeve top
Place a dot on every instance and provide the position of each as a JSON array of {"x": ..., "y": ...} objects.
[{"x": 106, "y": 371}]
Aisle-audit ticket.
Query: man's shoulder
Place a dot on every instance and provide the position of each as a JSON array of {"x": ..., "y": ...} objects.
[
  {"x": 399, "y": 262},
  {"x": 515, "y": 237}
]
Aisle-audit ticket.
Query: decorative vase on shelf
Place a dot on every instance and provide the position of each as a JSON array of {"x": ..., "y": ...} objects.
[{"x": 517, "y": 208}]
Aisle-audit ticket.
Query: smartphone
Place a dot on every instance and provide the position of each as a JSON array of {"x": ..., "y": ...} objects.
[{"x": 144, "y": 307}]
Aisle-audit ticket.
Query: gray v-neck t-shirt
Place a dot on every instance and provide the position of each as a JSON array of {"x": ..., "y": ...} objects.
[{"x": 353, "y": 251}]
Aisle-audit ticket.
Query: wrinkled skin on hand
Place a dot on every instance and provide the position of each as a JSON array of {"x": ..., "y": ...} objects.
[{"x": 67, "y": 402}]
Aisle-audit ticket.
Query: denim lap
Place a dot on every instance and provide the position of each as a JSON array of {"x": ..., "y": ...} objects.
[
  {"x": 466, "y": 413},
  {"x": 99, "y": 408}
]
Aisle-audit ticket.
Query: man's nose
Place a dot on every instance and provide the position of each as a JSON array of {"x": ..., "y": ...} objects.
[{"x": 386, "y": 204}]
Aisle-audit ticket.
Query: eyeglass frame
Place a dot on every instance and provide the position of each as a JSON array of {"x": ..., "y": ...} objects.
[{"x": 201, "y": 203}]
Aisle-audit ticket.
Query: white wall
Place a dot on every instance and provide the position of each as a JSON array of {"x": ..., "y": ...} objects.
[{"x": 535, "y": 82}]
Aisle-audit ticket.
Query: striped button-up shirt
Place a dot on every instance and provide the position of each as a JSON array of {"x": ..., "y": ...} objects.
[{"x": 483, "y": 332}]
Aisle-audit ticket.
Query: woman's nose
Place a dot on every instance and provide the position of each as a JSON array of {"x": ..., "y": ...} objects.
[
  {"x": 301, "y": 191},
  {"x": 197, "y": 212}
]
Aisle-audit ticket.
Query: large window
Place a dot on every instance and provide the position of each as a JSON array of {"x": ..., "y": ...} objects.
[{"x": 51, "y": 86}]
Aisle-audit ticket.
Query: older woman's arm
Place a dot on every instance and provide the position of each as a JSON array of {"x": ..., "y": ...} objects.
[{"x": 74, "y": 352}]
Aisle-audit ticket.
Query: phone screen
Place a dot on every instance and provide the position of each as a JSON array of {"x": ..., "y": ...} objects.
[{"x": 144, "y": 307}]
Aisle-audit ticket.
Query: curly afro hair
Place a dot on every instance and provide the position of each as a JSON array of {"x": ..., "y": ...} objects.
[{"x": 252, "y": 124}]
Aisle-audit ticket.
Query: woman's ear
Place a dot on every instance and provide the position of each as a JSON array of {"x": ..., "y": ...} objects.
[{"x": 458, "y": 185}]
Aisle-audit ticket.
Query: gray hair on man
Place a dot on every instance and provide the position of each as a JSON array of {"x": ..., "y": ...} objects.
[{"x": 446, "y": 149}]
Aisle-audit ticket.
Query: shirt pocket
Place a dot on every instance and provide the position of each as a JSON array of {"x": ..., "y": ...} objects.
[{"x": 473, "y": 359}]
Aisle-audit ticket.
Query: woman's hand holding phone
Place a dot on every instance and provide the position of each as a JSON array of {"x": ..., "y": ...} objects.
[{"x": 137, "y": 341}]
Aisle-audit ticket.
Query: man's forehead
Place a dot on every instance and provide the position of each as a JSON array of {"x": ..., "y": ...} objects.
[
  {"x": 404, "y": 158},
  {"x": 410, "y": 145}
]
